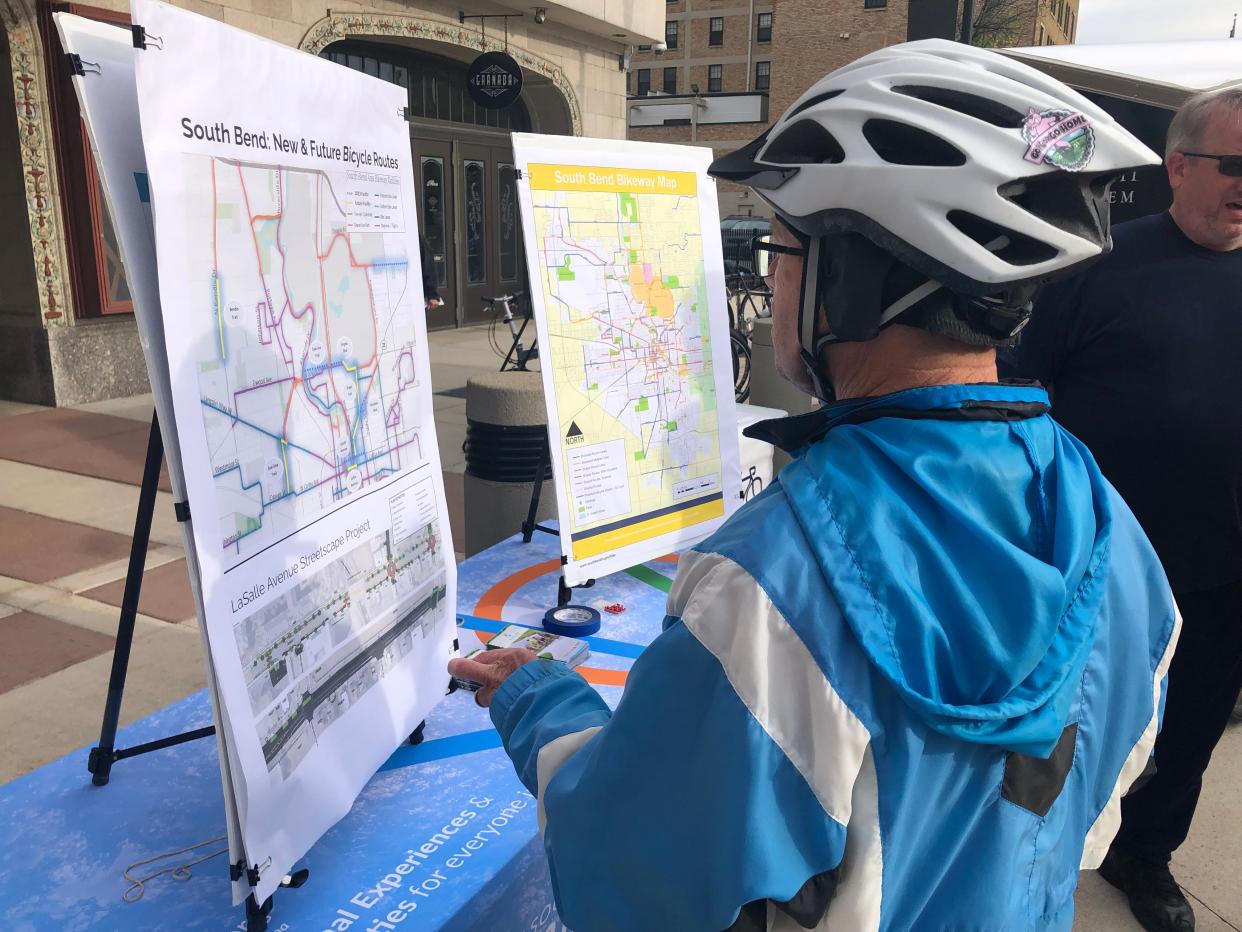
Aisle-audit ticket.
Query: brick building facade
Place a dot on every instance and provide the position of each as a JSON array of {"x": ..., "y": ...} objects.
[{"x": 732, "y": 66}]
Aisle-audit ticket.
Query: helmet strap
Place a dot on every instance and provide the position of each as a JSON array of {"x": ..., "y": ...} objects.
[
  {"x": 901, "y": 305},
  {"x": 808, "y": 319}
]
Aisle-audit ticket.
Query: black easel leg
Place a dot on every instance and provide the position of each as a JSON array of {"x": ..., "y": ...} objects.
[
  {"x": 528, "y": 527},
  {"x": 523, "y": 355},
  {"x": 102, "y": 757},
  {"x": 256, "y": 915}
]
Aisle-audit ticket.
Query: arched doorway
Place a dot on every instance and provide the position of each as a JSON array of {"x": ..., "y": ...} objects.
[{"x": 463, "y": 170}]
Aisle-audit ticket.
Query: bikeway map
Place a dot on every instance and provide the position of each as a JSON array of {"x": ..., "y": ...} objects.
[{"x": 631, "y": 359}]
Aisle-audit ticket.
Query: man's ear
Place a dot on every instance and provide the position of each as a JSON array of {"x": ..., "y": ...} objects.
[{"x": 1176, "y": 165}]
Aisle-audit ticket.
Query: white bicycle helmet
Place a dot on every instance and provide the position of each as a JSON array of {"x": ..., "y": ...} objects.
[{"x": 939, "y": 182}]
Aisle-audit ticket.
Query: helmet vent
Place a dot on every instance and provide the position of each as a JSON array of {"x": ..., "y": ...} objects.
[
  {"x": 804, "y": 143},
  {"x": 989, "y": 111},
  {"x": 1070, "y": 201},
  {"x": 902, "y": 144},
  {"x": 814, "y": 101},
  {"x": 1020, "y": 250}
]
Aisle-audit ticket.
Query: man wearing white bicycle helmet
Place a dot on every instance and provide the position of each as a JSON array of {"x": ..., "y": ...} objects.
[{"x": 906, "y": 686}]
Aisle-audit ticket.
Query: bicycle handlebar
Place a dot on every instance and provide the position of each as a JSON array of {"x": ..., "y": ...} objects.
[{"x": 504, "y": 297}]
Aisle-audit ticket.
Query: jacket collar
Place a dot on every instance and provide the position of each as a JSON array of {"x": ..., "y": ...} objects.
[{"x": 982, "y": 401}]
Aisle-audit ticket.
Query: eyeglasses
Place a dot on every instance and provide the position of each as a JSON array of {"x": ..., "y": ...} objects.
[
  {"x": 767, "y": 253},
  {"x": 1230, "y": 165}
]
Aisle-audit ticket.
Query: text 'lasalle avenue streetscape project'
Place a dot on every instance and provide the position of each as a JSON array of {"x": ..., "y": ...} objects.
[{"x": 286, "y": 341}]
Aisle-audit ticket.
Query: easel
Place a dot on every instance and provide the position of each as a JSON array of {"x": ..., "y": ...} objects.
[
  {"x": 105, "y": 754},
  {"x": 529, "y": 527}
]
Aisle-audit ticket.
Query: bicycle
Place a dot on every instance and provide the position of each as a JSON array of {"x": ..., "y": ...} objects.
[
  {"x": 749, "y": 300},
  {"x": 519, "y": 354},
  {"x": 739, "y": 347}
]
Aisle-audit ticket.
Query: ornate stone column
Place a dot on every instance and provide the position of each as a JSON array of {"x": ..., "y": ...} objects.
[{"x": 38, "y": 161}]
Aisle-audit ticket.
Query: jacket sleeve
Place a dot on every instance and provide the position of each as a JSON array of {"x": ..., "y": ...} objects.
[{"x": 672, "y": 813}]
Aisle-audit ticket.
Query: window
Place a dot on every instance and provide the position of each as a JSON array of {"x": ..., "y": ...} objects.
[
  {"x": 713, "y": 78},
  {"x": 1041, "y": 34},
  {"x": 476, "y": 201},
  {"x": 507, "y": 228},
  {"x": 764, "y": 33},
  {"x": 763, "y": 75},
  {"x": 432, "y": 227},
  {"x": 436, "y": 87},
  {"x": 95, "y": 268},
  {"x": 670, "y": 33},
  {"x": 644, "y": 82},
  {"x": 670, "y": 80},
  {"x": 715, "y": 35},
  {"x": 874, "y": 4}
]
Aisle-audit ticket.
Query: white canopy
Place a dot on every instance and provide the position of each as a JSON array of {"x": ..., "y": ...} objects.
[{"x": 1160, "y": 73}]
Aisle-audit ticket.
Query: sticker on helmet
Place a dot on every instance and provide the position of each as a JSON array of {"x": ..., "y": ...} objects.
[{"x": 1061, "y": 138}]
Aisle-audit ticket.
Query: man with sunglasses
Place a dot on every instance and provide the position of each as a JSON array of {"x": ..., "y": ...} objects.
[{"x": 1143, "y": 355}]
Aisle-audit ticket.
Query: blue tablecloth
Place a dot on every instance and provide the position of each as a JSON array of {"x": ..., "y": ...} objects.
[{"x": 67, "y": 843}]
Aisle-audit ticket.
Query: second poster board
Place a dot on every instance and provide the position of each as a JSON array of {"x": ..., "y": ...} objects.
[{"x": 627, "y": 286}]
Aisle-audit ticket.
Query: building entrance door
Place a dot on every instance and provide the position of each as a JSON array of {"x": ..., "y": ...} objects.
[
  {"x": 490, "y": 231},
  {"x": 433, "y": 173},
  {"x": 463, "y": 172}
]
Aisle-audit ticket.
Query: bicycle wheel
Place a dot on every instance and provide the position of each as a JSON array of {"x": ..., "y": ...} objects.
[
  {"x": 734, "y": 294},
  {"x": 747, "y": 311},
  {"x": 739, "y": 347}
]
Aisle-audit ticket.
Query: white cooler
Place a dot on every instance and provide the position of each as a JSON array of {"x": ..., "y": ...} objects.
[{"x": 756, "y": 456}]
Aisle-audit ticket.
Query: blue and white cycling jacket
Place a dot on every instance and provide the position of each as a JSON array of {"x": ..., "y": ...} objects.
[{"x": 904, "y": 688}]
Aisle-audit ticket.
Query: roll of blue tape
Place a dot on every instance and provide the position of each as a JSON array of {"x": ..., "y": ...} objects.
[{"x": 575, "y": 621}]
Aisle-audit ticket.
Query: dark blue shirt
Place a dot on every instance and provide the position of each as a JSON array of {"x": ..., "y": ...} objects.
[{"x": 1143, "y": 353}]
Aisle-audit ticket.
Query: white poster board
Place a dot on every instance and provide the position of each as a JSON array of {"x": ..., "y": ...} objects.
[
  {"x": 108, "y": 100},
  {"x": 296, "y": 361},
  {"x": 627, "y": 285}
]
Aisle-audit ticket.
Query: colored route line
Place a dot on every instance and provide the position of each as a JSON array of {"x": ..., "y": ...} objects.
[
  {"x": 440, "y": 748},
  {"x": 651, "y": 577},
  {"x": 485, "y": 622},
  {"x": 493, "y": 600},
  {"x": 597, "y": 644}
]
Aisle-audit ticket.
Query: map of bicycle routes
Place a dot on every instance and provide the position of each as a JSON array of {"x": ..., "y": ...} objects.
[
  {"x": 307, "y": 381},
  {"x": 631, "y": 356}
]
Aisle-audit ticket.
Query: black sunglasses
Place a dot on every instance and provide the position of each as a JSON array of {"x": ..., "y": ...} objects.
[{"x": 1230, "y": 165}]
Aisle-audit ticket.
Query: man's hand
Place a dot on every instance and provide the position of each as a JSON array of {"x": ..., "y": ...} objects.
[
  {"x": 433, "y": 303},
  {"x": 491, "y": 668}
]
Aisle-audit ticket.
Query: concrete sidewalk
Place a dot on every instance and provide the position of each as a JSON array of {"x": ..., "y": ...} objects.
[{"x": 68, "y": 491}]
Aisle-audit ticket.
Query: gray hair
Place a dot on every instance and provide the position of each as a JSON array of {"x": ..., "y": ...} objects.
[{"x": 1191, "y": 122}]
